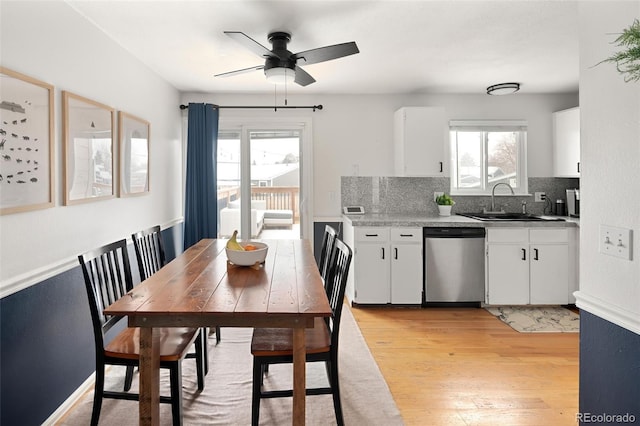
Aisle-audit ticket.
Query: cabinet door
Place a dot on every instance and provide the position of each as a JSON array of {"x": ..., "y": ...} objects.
[
  {"x": 406, "y": 273},
  {"x": 549, "y": 274},
  {"x": 372, "y": 280},
  {"x": 507, "y": 274},
  {"x": 421, "y": 136},
  {"x": 566, "y": 143}
]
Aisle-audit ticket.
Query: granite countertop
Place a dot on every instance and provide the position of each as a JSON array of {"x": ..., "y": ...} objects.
[{"x": 453, "y": 221}]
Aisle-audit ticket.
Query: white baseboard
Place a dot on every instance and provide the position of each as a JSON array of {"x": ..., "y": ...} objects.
[
  {"x": 62, "y": 410},
  {"x": 612, "y": 313}
]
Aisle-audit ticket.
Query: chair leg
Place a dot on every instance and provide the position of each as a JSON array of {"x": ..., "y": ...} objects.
[
  {"x": 128, "y": 378},
  {"x": 201, "y": 355},
  {"x": 335, "y": 387},
  {"x": 175, "y": 373},
  {"x": 255, "y": 391},
  {"x": 217, "y": 334},
  {"x": 97, "y": 395}
]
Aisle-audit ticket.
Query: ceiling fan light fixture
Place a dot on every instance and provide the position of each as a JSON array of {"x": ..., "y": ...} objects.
[
  {"x": 280, "y": 75},
  {"x": 503, "y": 89}
]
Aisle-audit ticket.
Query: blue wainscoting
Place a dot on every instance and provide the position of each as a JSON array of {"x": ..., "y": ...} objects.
[
  {"x": 46, "y": 342},
  {"x": 609, "y": 370}
]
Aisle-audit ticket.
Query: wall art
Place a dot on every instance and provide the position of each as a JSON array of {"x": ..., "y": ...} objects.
[
  {"x": 134, "y": 155},
  {"x": 26, "y": 143},
  {"x": 89, "y": 161}
]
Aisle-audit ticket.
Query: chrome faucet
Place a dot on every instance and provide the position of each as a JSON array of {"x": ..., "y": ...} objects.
[{"x": 493, "y": 195}]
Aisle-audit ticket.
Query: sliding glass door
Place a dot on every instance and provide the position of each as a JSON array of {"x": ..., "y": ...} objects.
[{"x": 259, "y": 182}]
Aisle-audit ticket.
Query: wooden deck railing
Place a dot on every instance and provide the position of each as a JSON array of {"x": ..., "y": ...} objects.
[{"x": 276, "y": 197}]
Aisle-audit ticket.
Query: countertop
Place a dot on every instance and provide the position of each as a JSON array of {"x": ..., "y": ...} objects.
[{"x": 453, "y": 221}]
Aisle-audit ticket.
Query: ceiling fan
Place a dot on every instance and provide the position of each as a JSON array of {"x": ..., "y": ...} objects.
[{"x": 280, "y": 64}]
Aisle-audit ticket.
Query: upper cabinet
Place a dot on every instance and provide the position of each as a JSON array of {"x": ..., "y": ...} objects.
[
  {"x": 566, "y": 143},
  {"x": 421, "y": 142}
]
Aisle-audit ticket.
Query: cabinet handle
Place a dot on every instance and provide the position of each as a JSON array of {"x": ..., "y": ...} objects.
[
  {"x": 370, "y": 235},
  {"x": 441, "y": 167},
  {"x": 524, "y": 254},
  {"x": 383, "y": 253},
  {"x": 578, "y": 167},
  {"x": 535, "y": 256},
  {"x": 406, "y": 235},
  {"x": 396, "y": 252}
]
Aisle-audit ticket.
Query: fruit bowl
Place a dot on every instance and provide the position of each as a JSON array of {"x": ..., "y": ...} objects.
[{"x": 248, "y": 257}]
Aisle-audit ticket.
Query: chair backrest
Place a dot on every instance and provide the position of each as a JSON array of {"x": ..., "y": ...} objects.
[
  {"x": 328, "y": 240},
  {"x": 336, "y": 284},
  {"x": 107, "y": 277},
  {"x": 149, "y": 251}
]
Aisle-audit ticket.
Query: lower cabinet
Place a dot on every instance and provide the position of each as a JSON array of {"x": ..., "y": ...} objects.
[
  {"x": 386, "y": 265},
  {"x": 527, "y": 266}
]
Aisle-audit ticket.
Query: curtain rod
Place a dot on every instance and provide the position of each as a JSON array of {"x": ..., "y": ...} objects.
[{"x": 275, "y": 108}]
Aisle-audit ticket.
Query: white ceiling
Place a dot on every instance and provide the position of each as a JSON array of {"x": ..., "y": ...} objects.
[{"x": 418, "y": 46}]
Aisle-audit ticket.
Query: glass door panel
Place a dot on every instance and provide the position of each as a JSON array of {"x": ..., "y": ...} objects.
[
  {"x": 263, "y": 168},
  {"x": 275, "y": 183}
]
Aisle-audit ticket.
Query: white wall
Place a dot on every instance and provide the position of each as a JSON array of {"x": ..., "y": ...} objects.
[
  {"x": 51, "y": 42},
  {"x": 610, "y": 155},
  {"x": 354, "y": 132}
]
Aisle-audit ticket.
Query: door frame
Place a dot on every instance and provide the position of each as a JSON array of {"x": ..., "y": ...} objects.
[{"x": 246, "y": 124}]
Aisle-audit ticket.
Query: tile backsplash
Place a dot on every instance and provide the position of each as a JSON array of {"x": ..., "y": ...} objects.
[{"x": 414, "y": 195}]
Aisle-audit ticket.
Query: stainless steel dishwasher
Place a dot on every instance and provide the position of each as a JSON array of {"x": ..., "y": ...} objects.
[{"x": 453, "y": 266}]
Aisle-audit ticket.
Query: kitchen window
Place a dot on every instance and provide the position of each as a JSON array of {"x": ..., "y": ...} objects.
[{"x": 485, "y": 153}]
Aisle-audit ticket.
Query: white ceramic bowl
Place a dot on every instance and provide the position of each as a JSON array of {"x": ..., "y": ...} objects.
[{"x": 248, "y": 258}]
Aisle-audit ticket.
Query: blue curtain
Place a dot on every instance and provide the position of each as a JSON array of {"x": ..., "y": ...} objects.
[{"x": 201, "y": 201}]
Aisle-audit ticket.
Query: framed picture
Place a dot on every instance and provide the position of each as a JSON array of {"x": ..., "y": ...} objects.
[
  {"x": 26, "y": 143},
  {"x": 89, "y": 161},
  {"x": 134, "y": 155}
]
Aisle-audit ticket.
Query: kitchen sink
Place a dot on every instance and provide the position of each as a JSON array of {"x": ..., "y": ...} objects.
[{"x": 522, "y": 217}]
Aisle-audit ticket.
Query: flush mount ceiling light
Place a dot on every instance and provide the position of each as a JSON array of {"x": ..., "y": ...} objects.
[
  {"x": 280, "y": 75},
  {"x": 503, "y": 89}
]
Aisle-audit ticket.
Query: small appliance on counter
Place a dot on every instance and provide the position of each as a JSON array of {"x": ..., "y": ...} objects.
[
  {"x": 560, "y": 207},
  {"x": 573, "y": 202}
]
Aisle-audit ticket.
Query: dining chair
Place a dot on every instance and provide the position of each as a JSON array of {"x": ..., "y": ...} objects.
[
  {"x": 149, "y": 248},
  {"x": 328, "y": 240},
  {"x": 275, "y": 345},
  {"x": 107, "y": 276}
]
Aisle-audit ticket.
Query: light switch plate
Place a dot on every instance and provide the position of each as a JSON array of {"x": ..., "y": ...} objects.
[{"x": 615, "y": 241}]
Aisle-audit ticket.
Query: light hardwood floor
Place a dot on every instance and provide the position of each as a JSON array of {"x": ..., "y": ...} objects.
[{"x": 463, "y": 366}]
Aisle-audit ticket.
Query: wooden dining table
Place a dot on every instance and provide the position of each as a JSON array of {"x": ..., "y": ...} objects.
[{"x": 200, "y": 288}]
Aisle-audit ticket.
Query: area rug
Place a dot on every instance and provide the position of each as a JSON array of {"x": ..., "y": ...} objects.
[
  {"x": 538, "y": 319},
  {"x": 226, "y": 399}
]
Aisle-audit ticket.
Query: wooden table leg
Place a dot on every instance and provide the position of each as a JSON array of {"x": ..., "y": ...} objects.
[
  {"x": 299, "y": 379},
  {"x": 149, "y": 404}
]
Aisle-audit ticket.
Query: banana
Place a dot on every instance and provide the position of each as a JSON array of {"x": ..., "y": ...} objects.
[{"x": 233, "y": 244}]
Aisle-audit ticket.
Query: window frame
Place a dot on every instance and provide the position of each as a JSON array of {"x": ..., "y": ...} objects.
[{"x": 487, "y": 126}]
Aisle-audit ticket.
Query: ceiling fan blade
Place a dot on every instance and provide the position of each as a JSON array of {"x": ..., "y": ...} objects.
[
  {"x": 242, "y": 71},
  {"x": 249, "y": 43},
  {"x": 303, "y": 78},
  {"x": 326, "y": 53}
]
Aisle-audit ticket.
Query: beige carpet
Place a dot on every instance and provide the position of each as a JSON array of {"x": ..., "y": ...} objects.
[
  {"x": 538, "y": 319},
  {"x": 226, "y": 399}
]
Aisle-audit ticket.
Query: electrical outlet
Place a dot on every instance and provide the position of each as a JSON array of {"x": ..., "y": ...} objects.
[
  {"x": 437, "y": 194},
  {"x": 540, "y": 197},
  {"x": 615, "y": 241}
]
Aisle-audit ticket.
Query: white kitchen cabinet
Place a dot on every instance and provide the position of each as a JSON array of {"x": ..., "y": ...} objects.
[
  {"x": 406, "y": 265},
  {"x": 549, "y": 266},
  {"x": 527, "y": 266},
  {"x": 566, "y": 143},
  {"x": 421, "y": 138},
  {"x": 507, "y": 267},
  {"x": 386, "y": 265}
]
